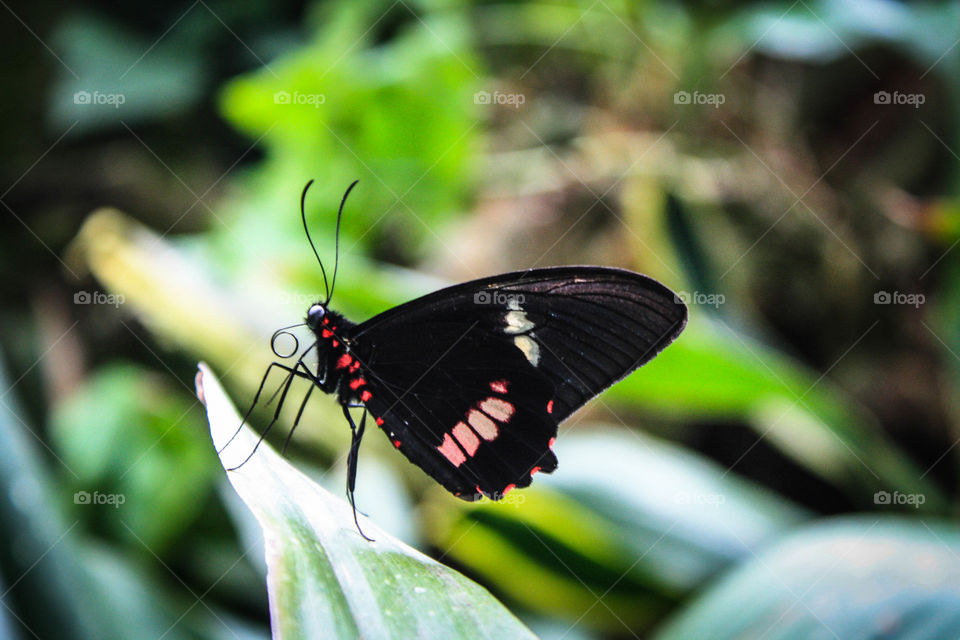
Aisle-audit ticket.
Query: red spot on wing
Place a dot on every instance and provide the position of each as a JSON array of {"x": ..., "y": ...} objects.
[
  {"x": 510, "y": 487},
  {"x": 550, "y": 444},
  {"x": 396, "y": 443},
  {"x": 366, "y": 395},
  {"x": 336, "y": 344},
  {"x": 483, "y": 425},
  {"x": 356, "y": 383},
  {"x": 326, "y": 321},
  {"x": 499, "y": 386},
  {"x": 550, "y": 407},
  {"x": 326, "y": 333},
  {"x": 379, "y": 422},
  {"x": 344, "y": 361},
  {"x": 452, "y": 452},
  {"x": 498, "y": 409},
  {"x": 534, "y": 471},
  {"x": 467, "y": 438},
  {"x": 354, "y": 366}
]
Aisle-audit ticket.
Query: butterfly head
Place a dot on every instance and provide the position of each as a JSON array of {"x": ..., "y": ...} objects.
[{"x": 315, "y": 316}]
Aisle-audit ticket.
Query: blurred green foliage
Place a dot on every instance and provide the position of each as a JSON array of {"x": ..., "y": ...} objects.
[{"x": 692, "y": 498}]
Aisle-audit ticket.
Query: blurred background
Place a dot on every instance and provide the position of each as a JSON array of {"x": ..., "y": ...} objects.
[{"x": 786, "y": 469}]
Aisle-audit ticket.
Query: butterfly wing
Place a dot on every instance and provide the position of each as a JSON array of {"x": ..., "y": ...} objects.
[{"x": 470, "y": 382}]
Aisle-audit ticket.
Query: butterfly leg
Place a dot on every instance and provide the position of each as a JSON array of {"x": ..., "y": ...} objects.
[
  {"x": 256, "y": 398},
  {"x": 303, "y": 405},
  {"x": 356, "y": 435},
  {"x": 292, "y": 372}
]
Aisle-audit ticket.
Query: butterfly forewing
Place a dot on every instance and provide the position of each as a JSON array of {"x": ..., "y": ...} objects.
[{"x": 470, "y": 382}]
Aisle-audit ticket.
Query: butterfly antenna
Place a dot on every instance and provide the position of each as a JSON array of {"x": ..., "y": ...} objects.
[
  {"x": 303, "y": 216},
  {"x": 336, "y": 251}
]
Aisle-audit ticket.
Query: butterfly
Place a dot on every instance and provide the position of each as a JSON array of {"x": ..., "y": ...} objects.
[{"x": 471, "y": 382}]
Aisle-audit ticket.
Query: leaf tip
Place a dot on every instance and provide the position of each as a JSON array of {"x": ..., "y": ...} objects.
[{"x": 198, "y": 383}]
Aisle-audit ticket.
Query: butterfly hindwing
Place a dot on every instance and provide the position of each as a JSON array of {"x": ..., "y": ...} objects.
[
  {"x": 472, "y": 380},
  {"x": 468, "y": 410}
]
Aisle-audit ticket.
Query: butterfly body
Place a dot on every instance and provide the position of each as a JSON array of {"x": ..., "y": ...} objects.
[{"x": 471, "y": 382}]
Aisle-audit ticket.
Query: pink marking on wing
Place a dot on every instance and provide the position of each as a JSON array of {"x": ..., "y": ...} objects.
[
  {"x": 366, "y": 395},
  {"x": 550, "y": 444},
  {"x": 326, "y": 333},
  {"x": 344, "y": 361},
  {"x": 499, "y": 409},
  {"x": 379, "y": 421},
  {"x": 499, "y": 386},
  {"x": 451, "y": 451},
  {"x": 550, "y": 407},
  {"x": 534, "y": 471},
  {"x": 356, "y": 383},
  {"x": 483, "y": 425},
  {"x": 336, "y": 344},
  {"x": 466, "y": 437},
  {"x": 507, "y": 489}
]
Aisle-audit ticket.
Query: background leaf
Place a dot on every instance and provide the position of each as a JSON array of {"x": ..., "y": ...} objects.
[{"x": 862, "y": 577}]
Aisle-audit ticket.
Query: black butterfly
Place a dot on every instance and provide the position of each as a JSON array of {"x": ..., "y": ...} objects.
[{"x": 471, "y": 381}]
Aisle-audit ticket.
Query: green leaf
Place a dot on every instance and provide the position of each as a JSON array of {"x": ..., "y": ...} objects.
[
  {"x": 324, "y": 579},
  {"x": 131, "y": 433},
  {"x": 651, "y": 527},
  {"x": 712, "y": 371},
  {"x": 857, "y": 577},
  {"x": 397, "y": 113},
  {"x": 61, "y": 583}
]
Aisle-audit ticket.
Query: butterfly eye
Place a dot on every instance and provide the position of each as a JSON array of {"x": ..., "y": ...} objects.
[{"x": 315, "y": 315}]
